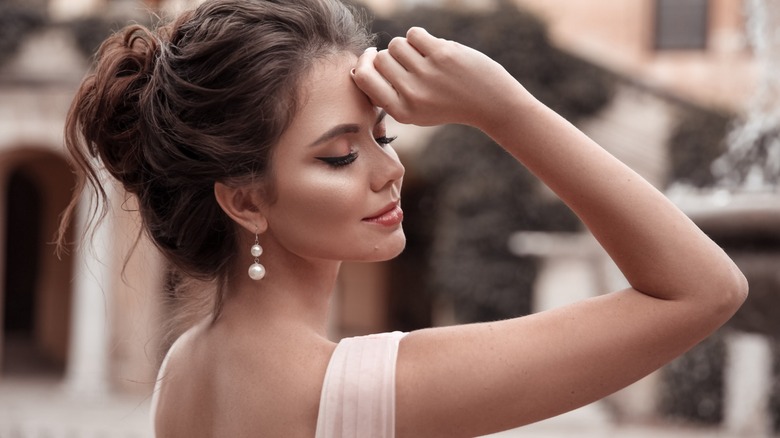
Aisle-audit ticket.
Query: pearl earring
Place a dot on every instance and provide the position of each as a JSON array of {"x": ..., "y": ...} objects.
[{"x": 256, "y": 270}]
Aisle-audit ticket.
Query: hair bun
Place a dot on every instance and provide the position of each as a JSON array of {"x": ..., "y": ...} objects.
[{"x": 109, "y": 116}]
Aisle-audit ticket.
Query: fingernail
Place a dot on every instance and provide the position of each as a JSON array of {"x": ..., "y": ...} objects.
[
  {"x": 352, "y": 72},
  {"x": 370, "y": 49}
]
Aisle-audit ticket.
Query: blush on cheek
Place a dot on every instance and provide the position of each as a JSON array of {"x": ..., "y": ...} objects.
[
  {"x": 329, "y": 197},
  {"x": 319, "y": 215}
]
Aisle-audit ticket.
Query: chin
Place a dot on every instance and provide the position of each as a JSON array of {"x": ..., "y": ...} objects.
[
  {"x": 394, "y": 254},
  {"x": 387, "y": 250}
]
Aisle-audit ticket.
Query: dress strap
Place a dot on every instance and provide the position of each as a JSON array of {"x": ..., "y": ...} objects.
[{"x": 358, "y": 394}]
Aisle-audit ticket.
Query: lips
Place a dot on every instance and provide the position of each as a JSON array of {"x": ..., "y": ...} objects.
[{"x": 390, "y": 215}]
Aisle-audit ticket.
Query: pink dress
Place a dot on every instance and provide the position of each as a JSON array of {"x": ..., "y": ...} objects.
[{"x": 358, "y": 394}]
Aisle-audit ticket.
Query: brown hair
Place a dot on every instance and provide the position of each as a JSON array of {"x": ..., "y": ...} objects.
[{"x": 204, "y": 99}]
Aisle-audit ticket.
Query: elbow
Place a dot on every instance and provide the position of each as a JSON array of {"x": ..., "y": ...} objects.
[
  {"x": 733, "y": 290},
  {"x": 742, "y": 288}
]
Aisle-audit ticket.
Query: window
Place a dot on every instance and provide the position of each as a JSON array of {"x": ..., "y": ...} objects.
[{"x": 681, "y": 24}]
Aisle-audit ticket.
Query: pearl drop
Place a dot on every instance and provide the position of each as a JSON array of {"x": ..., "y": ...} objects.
[
  {"x": 256, "y": 271},
  {"x": 256, "y": 250}
]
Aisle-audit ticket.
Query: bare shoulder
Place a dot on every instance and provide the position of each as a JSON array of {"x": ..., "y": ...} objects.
[
  {"x": 219, "y": 383},
  {"x": 176, "y": 396}
]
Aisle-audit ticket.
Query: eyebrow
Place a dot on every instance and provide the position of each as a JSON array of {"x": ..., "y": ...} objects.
[{"x": 347, "y": 128}]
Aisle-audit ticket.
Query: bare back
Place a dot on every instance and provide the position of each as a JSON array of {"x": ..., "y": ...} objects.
[{"x": 220, "y": 382}]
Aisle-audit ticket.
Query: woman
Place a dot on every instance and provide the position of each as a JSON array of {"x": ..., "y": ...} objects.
[{"x": 252, "y": 134}]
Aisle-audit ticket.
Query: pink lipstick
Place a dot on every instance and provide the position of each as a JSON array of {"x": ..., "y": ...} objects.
[{"x": 389, "y": 216}]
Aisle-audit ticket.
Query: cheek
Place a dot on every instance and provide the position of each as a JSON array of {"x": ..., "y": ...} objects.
[
  {"x": 328, "y": 195},
  {"x": 315, "y": 210}
]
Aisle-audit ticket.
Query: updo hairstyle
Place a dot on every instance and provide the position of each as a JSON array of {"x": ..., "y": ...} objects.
[{"x": 204, "y": 99}]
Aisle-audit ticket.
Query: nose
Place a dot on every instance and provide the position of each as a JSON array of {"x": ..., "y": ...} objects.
[{"x": 387, "y": 170}]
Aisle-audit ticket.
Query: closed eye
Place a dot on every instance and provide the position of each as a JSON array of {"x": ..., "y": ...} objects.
[
  {"x": 385, "y": 140},
  {"x": 339, "y": 161}
]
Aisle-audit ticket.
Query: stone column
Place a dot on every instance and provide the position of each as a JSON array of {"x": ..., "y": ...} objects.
[
  {"x": 572, "y": 266},
  {"x": 748, "y": 383},
  {"x": 87, "y": 367}
]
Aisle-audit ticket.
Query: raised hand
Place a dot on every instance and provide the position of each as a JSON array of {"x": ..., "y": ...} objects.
[{"x": 424, "y": 80}]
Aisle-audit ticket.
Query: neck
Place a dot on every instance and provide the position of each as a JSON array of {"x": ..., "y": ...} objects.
[{"x": 295, "y": 293}]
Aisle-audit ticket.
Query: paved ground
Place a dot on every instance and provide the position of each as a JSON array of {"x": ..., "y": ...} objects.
[{"x": 43, "y": 409}]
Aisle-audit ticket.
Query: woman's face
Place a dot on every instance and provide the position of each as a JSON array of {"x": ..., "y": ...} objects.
[{"x": 336, "y": 179}]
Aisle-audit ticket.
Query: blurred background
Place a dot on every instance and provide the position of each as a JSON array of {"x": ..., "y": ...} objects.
[{"x": 683, "y": 91}]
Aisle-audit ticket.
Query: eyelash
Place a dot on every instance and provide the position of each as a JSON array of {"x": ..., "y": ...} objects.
[
  {"x": 385, "y": 140},
  {"x": 345, "y": 160},
  {"x": 340, "y": 161}
]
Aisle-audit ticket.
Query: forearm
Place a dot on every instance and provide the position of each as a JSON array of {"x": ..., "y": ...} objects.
[
  {"x": 428, "y": 81},
  {"x": 659, "y": 250},
  {"x": 685, "y": 286}
]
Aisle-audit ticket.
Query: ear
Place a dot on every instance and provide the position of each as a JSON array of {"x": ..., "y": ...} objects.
[{"x": 242, "y": 204}]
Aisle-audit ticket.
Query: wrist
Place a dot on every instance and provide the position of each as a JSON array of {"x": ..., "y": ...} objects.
[{"x": 513, "y": 105}]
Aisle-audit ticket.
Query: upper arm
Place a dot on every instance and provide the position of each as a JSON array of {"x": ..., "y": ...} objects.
[{"x": 476, "y": 379}]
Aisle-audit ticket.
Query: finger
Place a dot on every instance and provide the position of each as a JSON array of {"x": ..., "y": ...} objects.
[
  {"x": 371, "y": 82},
  {"x": 389, "y": 67},
  {"x": 405, "y": 54},
  {"x": 421, "y": 40}
]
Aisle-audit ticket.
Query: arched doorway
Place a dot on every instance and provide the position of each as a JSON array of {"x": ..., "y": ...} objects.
[
  {"x": 36, "y": 285},
  {"x": 22, "y": 263}
]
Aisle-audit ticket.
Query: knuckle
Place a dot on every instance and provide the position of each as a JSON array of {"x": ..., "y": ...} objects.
[
  {"x": 381, "y": 58},
  {"x": 394, "y": 43},
  {"x": 404, "y": 88},
  {"x": 414, "y": 32},
  {"x": 446, "y": 53}
]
